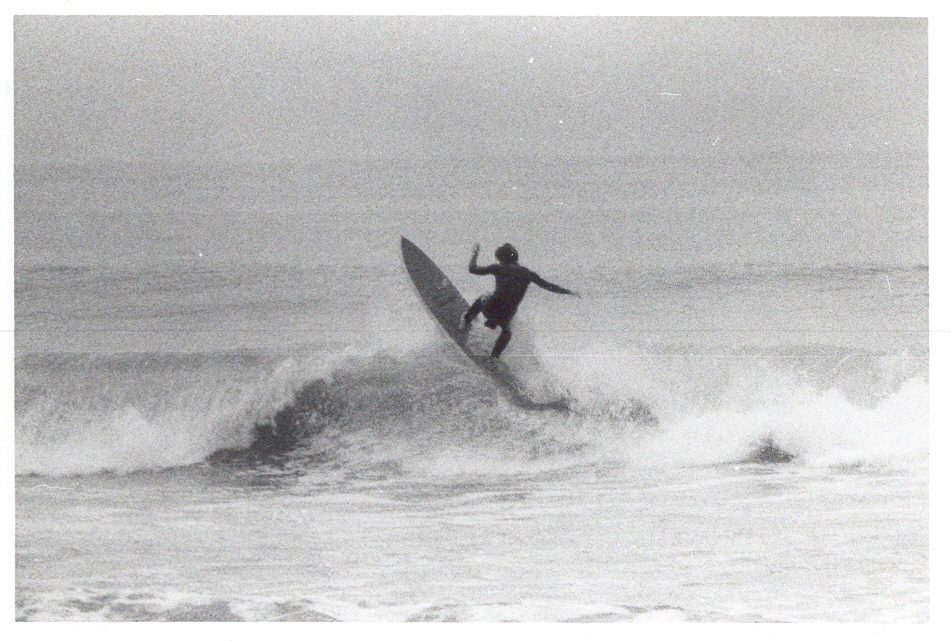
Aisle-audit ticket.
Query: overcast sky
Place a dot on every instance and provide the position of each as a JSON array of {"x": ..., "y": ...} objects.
[{"x": 212, "y": 89}]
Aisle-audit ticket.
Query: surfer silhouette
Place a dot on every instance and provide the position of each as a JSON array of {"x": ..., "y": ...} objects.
[{"x": 511, "y": 282}]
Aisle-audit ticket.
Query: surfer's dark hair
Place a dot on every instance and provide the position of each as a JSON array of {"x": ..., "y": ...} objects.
[{"x": 506, "y": 254}]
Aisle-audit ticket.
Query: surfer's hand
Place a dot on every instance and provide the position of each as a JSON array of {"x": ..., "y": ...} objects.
[
  {"x": 475, "y": 249},
  {"x": 574, "y": 293}
]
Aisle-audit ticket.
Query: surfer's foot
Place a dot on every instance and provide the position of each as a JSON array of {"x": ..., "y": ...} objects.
[{"x": 464, "y": 323}]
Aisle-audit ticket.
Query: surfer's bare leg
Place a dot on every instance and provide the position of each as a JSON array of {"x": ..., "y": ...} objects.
[
  {"x": 502, "y": 341},
  {"x": 471, "y": 313}
]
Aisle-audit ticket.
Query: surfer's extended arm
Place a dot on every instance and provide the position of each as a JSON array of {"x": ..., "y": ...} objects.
[
  {"x": 473, "y": 268},
  {"x": 552, "y": 287}
]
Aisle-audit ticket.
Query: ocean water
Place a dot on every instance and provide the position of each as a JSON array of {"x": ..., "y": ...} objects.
[{"x": 203, "y": 433}]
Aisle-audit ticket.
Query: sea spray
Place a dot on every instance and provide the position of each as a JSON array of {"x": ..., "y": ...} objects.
[{"x": 81, "y": 413}]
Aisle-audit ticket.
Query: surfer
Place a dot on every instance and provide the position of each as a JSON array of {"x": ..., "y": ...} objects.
[{"x": 511, "y": 282}]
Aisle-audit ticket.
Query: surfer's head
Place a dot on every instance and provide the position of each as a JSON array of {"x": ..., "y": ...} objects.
[{"x": 506, "y": 254}]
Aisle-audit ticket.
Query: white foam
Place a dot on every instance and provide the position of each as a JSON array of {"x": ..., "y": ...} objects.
[{"x": 818, "y": 428}]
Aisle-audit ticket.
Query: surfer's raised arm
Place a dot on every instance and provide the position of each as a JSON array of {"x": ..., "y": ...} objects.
[{"x": 473, "y": 267}]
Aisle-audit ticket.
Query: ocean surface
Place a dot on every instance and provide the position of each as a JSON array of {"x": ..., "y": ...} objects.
[{"x": 206, "y": 432}]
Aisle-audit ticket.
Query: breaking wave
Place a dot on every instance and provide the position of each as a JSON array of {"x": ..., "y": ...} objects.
[{"x": 428, "y": 411}]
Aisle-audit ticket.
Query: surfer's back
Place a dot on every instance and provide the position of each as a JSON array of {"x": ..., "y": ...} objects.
[{"x": 511, "y": 281}]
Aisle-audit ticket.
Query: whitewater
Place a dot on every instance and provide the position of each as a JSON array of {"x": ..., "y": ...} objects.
[{"x": 201, "y": 441}]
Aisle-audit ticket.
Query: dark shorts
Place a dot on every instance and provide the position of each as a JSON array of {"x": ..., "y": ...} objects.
[{"x": 496, "y": 312}]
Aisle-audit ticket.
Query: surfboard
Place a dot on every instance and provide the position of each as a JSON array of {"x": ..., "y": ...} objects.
[{"x": 447, "y": 306}]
